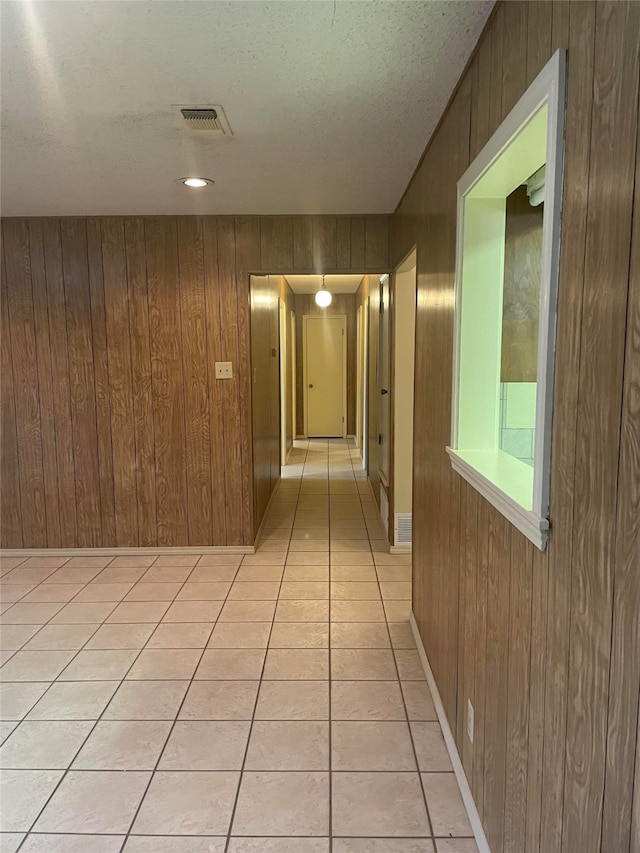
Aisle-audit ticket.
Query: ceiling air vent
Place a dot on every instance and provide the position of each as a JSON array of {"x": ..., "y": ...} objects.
[{"x": 210, "y": 119}]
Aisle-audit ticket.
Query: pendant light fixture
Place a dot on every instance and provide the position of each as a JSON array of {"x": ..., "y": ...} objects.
[{"x": 323, "y": 297}]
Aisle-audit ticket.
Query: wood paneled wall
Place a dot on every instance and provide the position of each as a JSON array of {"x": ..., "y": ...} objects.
[
  {"x": 544, "y": 644},
  {"x": 267, "y": 291},
  {"x": 114, "y": 429},
  {"x": 340, "y": 304}
]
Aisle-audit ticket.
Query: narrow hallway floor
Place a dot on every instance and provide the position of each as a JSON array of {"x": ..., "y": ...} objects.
[{"x": 272, "y": 703}]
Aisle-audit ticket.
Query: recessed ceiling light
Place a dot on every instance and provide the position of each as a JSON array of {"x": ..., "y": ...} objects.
[{"x": 196, "y": 182}]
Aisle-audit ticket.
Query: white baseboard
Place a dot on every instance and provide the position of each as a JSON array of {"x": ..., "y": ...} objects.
[
  {"x": 465, "y": 790},
  {"x": 115, "y": 552}
]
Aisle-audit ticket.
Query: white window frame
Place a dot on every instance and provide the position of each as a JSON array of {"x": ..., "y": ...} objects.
[{"x": 548, "y": 89}]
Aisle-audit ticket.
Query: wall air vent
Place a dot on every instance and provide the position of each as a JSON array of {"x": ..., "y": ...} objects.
[
  {"x": 402, "y": 528},
  {"x": 205, "y": 118}
]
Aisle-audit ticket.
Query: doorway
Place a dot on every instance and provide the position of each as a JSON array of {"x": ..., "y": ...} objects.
[
  {"x": 384, "y": 383},
  {"x": 362, "y": 370},
  {"x": 325, "y": 375},
  {"x": 402, "y": 345}
]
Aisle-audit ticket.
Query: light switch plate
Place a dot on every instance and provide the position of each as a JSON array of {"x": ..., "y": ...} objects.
[{"x": 224, "y": 370}]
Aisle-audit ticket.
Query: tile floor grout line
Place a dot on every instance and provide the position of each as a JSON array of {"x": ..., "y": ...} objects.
[
  {"x": 332, "y": 472},
  {"x": 408, "y": 721},
  {"x": 330, "y": 675},
  {"x": 95, "y": 722},
  {"x": 232, "y": 816},
  {"x": 177, "y": 714},
  {"x": 66, "y": 770},
  {"x": 46, "y": 625},
  {"x": 100, "y": 717}
]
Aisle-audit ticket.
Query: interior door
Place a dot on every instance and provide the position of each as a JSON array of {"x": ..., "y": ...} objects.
[
  {"x": 384, "y": 374},
  {"x": 325, "y": 369},
  {"x": 284, "y": 381}
]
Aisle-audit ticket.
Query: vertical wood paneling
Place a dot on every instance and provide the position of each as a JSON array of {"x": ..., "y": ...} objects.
[
  {"x": 625, "y": 662},
  {"x": 248, "y": 257},
  {"x": 460, "y": 133},
  {"x": 101, "y": 374},
  {"x": 122, "y": 321},
  {"x": 302, "y": 243},
  {"x": 635, "y": 814},
  {"x": 482, "y": 94},
  {"x": 517, "y": 712},
  {"x": 514, "y": 54},
  {"x": 560, "y": 559},
  {"x": 554, "y": 723},
  {"x": 376, "y": 242},
  {"x": 496, "y": 675},
  {"x": 167, "y": 380},
  {"x": 196, "y": 381},
  {"x": 231, "y": 388},
  {"x": 357, "y": 230},
  {"x": 482, "y": 574},
  {"x": 116, "y": 299},
  {"x": 214, "y": 353},
  {"x": 45, "y": 387},
  {"x": 498, "y": 69},
  {"x": 61, "y": 392},
  {"x": 141, "y": 373},
  {"x": 324, "y": 242},
  {"x": 469, "y": 560},
  {"x": 537, "y": 681},
  {"x": 612, "y": 167},
  {"x": 343, "y": 242},
  {"x": 464, "y": 607},
  {"x": 276, "y": 242},
  {"x": 10, "y": 513},
  {"x": 473, "y": 118},
  {"x": 75, "y": 266},
  {"x": 25, "y": 382},
  {"x": 539, "y": 26}
]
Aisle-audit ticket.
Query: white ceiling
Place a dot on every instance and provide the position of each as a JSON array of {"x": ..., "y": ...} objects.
[
  {"x": 335, "y": 283},
  {"x": 330, "y": 103}
]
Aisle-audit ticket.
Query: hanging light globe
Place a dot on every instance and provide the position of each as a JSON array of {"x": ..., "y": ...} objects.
[{"x": 323, "y": 297}]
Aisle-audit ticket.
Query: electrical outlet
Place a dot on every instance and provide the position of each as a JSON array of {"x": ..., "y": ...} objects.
[
  {"x": 470, "y": 720},
  {"x": 224, "y": 370}
]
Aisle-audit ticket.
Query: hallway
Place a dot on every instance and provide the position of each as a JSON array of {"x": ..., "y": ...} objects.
[{"x": 257, "y": 704}]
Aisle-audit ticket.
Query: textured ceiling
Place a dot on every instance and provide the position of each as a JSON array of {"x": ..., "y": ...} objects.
[
  {"x": 335, "y": 283},
  {"x": 330, "y": 103}
]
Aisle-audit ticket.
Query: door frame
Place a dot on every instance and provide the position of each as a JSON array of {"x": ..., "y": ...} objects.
[
  {"x": 305, "y": 319},
  {"x": 362, "y": 382},
  {"x": 294, "y": 368},
  {"x": 283, "y": 366},
  {"x": 385, "y": 359}
]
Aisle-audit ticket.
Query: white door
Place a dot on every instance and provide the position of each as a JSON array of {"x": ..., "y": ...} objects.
[
  {"x": 384, "y": 374},
  {"x": 325, "y": 375}
]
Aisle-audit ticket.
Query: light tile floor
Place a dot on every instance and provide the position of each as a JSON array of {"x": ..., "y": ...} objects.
[{"x": 268, "y": 704}]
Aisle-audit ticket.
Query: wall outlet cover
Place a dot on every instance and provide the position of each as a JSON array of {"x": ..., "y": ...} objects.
[{"x": 224, "y": 370}]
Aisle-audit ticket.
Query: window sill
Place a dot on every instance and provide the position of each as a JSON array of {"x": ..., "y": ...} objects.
[{"x": 507, "y": 484}]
